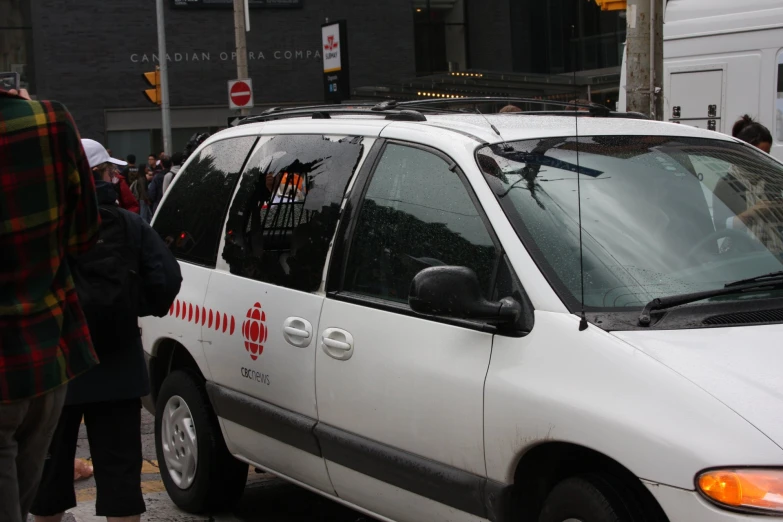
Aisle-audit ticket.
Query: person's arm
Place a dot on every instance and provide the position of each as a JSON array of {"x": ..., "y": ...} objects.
[
  {"x": 82, "y": 201},
  {"x": 160, "y": 274},
  {"x": 167, "y": 179},
  {"x": 727, "y": 203},
  {"x": 152, "y": 190},
  {"x": 127, "y": 200}
]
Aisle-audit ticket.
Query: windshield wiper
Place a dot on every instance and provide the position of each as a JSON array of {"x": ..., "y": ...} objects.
[
  {"x": 772, "y": 276},
  {"x": 767, "y": 282}
]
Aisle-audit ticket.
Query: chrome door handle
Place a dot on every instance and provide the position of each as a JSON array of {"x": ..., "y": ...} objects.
[
  {"x": 337, "y": 344},
  {"x": 297, "y": 332}
]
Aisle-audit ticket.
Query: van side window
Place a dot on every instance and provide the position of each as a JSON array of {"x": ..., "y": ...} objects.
[
  {"x": 417, "y": 213},
  {"x": 286, "y": 209},
  {"x": 195, "y": 208}
]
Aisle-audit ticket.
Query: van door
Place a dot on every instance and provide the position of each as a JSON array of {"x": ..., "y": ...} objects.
[
  {"x": 696, "y": 98},
  {"x": 400, "y": 395},
  {"x": 263, "y": 301}
]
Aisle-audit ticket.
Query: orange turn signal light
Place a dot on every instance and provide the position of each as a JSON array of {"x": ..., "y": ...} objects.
[{"x": 756, "y": 489}]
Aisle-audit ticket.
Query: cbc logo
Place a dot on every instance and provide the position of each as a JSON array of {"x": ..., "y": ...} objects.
[{"x": 255, "y": 331}]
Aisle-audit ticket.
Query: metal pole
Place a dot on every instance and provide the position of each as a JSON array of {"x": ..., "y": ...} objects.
[
  {"x": 239, "y": 34},
  {"x": 638, "y": 73},
  {"x": 164, "y": 80},
  {"x": 656, "y": 58},
  {"x": 652, "y": 60},
  {"x": 247, "y": 16}
]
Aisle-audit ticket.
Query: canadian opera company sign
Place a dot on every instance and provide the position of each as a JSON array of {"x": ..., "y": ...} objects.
[{"x": 280, "y": 55}]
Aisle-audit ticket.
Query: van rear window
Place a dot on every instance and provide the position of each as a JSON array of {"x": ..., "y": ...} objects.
[{"x": 193, "y": 213}]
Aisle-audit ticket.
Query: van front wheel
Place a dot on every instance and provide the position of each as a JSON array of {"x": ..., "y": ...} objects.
[
  {"x": 591, "y": 498},
  {"x": 198, "y": 471}
]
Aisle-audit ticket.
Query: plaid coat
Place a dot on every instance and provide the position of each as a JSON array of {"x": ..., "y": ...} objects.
[{"x": 48, "y": 210}]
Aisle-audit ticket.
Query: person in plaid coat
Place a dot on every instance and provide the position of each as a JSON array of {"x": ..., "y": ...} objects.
[{"x": 48, "y": 211}]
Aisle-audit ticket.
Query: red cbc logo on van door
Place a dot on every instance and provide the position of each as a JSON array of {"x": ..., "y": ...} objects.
[{"x": 255, "y": 331}]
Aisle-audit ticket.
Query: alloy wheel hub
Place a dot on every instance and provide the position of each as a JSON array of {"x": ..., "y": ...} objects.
[{"x": 178, "y": 440}]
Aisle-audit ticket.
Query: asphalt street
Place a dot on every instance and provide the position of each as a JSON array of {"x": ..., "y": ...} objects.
[{"x": 266, "y": 498}]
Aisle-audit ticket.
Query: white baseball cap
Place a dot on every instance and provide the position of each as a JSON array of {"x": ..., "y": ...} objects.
[{"x": 96, "y": 154}]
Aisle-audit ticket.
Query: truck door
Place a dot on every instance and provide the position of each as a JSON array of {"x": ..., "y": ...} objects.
[{"x": 696, "y": 99}]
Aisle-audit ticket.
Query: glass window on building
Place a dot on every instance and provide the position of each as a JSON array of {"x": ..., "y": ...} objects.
[
  {"x": 779, "y": 99},
  {"x": 562, "y": 36},
  {"x": 440, "y": 35},
  {"x": 144, "y": 142},
  {"x": 16, "y": 41}
]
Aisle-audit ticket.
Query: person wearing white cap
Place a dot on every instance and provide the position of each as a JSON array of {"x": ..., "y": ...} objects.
[
  {"x": 129, "y": 273},
  {"x": 99, "y": 159}
]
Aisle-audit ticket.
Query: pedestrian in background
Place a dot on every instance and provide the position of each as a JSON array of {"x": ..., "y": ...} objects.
[
  {"x": 144, "y": 279},
  {"x": 176, "y": 164},
  {"x": 124, "y": 196},
  {"x": 140, "y": 192},
  {"x": 48, "y": 211},
  {"x": 750, "y": 201},
  {"x": 152, "y": 161},
  {"x": 750, "y": 131},
  {"x": 131, "y": 171},
  {"x": 155, "y": 188}
]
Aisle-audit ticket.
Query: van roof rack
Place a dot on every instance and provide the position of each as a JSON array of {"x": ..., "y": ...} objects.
[
  {"x": 412, "y": 110},
  {"x": 322, "y": 112},
  {"x": 569, "y": 108}
]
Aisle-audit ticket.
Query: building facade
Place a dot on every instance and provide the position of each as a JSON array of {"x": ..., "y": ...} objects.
[{"x": 91, "y": 55}]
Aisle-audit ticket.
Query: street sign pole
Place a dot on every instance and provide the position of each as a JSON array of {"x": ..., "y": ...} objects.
[
  {"x": 164, "y": 80},
  {"x": 239, "y": 34}
]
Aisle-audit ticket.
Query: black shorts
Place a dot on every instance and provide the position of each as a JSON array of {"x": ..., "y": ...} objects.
[{"x": 114, "y": 434}]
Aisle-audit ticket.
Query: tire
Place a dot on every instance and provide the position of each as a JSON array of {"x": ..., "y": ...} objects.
[
  {"x": 591, "y": 498},
  {"x": 213, "y": 480}
]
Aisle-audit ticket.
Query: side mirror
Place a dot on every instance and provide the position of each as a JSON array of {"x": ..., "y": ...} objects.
[{"x": 454, "y": 291}]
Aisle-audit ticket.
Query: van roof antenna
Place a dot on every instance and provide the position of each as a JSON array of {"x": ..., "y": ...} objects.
[
  {"x": 505, "y": 145},
  {"x": 583, "y": 319}
]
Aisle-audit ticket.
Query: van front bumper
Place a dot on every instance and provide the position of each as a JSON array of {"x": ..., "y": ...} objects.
[{"x": 682, "y": 505}]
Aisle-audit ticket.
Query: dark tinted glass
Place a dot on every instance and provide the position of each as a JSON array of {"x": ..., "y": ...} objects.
[
  {"x": 417, "y": 213},
  {"x": 193, "y": 214},
  {"x": 286, "y": 209}
]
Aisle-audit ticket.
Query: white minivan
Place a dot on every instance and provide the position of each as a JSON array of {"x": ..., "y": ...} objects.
[{"x": 434, "y": 316}]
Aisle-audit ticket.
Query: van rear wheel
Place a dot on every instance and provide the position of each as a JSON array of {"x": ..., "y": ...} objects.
[
  {"x": 591, "y": 498},
  {"x": 196, "y": 468}
]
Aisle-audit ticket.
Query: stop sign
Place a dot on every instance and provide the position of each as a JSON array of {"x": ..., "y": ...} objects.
[{"x": 240, "y": 94}]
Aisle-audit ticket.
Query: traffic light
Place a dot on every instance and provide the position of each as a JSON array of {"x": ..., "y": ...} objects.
[
  {"x": 153, "y": 78},
  {"x": 611, "y": 5}
]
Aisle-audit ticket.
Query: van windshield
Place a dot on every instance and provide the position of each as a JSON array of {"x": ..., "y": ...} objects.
[{"x": 660, "y": 215}]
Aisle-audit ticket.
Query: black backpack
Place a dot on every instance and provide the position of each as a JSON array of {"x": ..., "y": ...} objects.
[{"x": 108, "y": 283}]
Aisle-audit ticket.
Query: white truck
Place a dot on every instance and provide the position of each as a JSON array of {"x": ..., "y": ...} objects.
[{"x": 723, "y": 59}]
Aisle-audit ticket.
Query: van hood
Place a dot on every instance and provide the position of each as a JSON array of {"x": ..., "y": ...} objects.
[{"x": 741, "y": 367}]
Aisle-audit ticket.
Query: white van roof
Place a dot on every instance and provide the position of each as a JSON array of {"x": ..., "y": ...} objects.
[
  {"x": 680, "y": 10},
  {"x": 689, "y": 18}
]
